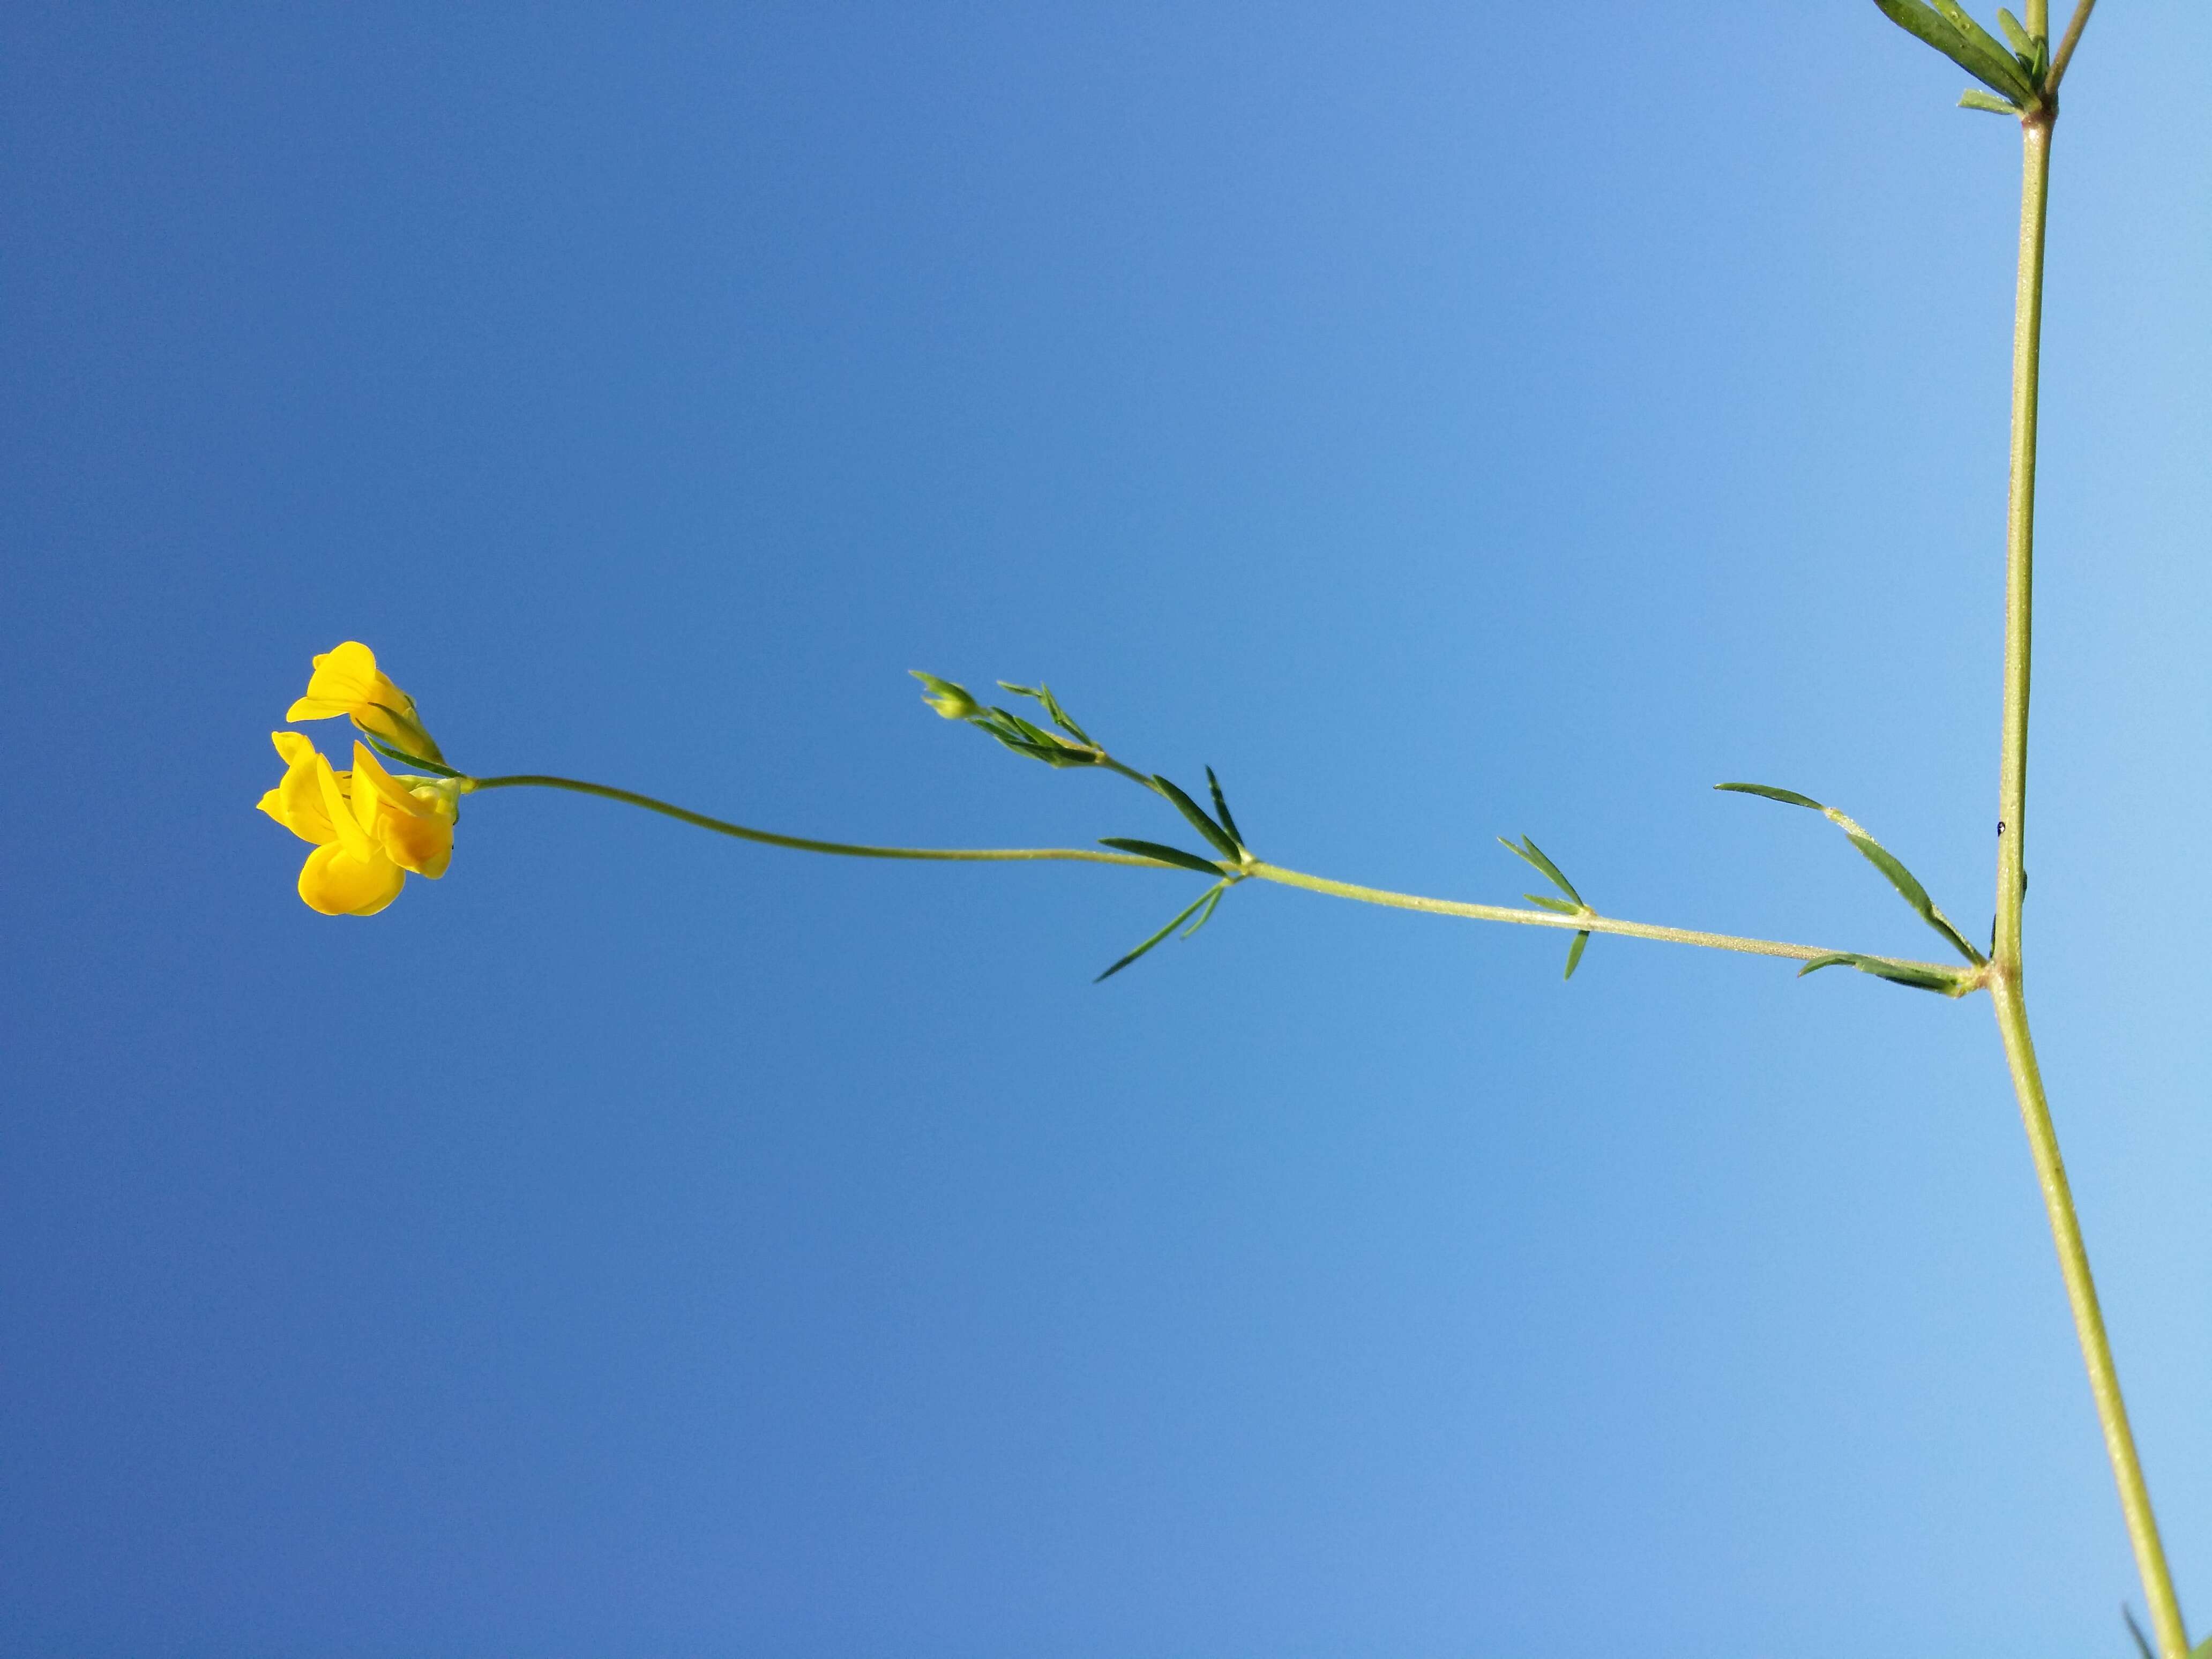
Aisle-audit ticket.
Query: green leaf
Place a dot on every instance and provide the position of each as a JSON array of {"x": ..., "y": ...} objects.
[
  {"x": 1907, "y": 884},
  {"x": 2202, "y": 1650},
  {"x": 1174, "y": 923},
  {"x": 1787, "y": 797},
  {"x": 1036, "y": 734},
  {"x": 2000, "y": 69},
  {"x": 1052, "y": 752},
  {"x": 1221, "y": 808},
  {"x": 1025, "y": 739},
  {"x": 1981, "y": 57},
  {"x": 1060, "y": 716},
  {"x": 1530, "y": 852},
  {"x": 2142, "y": 1645},
  {"x": 1162, "y": 855},
  {"x": 1575, "y": 954},
  {"x": 1975, "y": 98},
  {"x": 1205, "y": 916},
  {"x": 1205, "y": 826},
  {"x": 1898, "y": 973},
  {"x": 2022, "y": 41},
  {"x": 1562, "y": 906}
]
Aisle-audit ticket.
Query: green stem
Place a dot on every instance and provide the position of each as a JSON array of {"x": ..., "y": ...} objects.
[
  {"x": 1583, "y": 922},
  {"x": 1254, "y": 869},
  {"x": 2007, "y": 994},
  {"x": 2065, "y": 53},
  {"x": 801, "y": 843}
]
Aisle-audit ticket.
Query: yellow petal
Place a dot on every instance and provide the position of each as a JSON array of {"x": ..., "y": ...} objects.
[
  {"x": 346, "y": 830},
  {"x": 347, "y": 681},
  {"x": 336, "y": 882},
  {"x": 343, "y": 679},
  {"x": 297, "y": 802},
  {"x": 423, "y": 845},
  {"x": 416, "y": 830}
]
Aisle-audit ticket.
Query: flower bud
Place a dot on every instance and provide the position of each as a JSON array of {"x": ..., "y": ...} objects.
[{"x": 950, "y": 701}]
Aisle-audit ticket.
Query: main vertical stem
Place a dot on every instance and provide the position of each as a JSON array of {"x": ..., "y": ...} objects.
[{"x": 2005, "y": 988}]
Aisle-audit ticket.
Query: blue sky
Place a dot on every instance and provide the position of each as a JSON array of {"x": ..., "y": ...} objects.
[{"x": 1445, "y": 421}]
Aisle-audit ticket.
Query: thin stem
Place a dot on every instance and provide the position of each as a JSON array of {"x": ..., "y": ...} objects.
[
  {"x": 2019, "y": 541},
  {"x": 2065, "y": 53},
  {"x": 1583, "y": 922},
  {"x": 2089, "y": 1321},
  {"x": 2007, "y": 994},
  {"x": 801, "y": 844},
  {"x": 1254, "y": 869}
]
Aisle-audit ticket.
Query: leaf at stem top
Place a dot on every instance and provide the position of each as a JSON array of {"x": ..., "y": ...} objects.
[
  {"x": 1211, "y": 898},
  {"x": 1975, "y": 98},
  {"x": 1205, "y": 826},
  {"x": 1906, "y": 884},
  {"x": 1060, "y": 716},
  {"x": 1970, "y": 47},
  {"x": 1529, "y": 853},
  {"x": 1160, "y": 853},
  {"x": 1986, "y": 47},
  {"x": 1221, "y": 808},
  {"x": 2021, "y": 41},
  {"x": 1026, "y": 738}
]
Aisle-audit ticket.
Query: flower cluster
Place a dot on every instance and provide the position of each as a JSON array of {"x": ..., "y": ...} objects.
[{"x": 370, "y": 830}]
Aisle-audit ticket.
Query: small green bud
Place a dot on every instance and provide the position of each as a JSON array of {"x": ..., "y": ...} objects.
[{"x": 947, "y": 699}]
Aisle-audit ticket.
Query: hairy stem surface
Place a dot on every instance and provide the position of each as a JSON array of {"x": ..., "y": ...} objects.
[{"x": 2006, "y": 992}]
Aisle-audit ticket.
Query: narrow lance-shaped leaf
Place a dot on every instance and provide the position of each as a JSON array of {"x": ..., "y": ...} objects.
[
  {"x": 1987, "y": 64},
  {"x": 1897, "y": 973},
  {"x": 1025, "y": 737},
  {"x": 1530, "y": 852},
  {"x": 1162, "y": 855},
  {"x": 1211, "y": 897},
  {"x": 1575, "y": 954},
  {"x": 2021, "y": 41},
  {"x": 1990, "y": 63},
  {"x": 1060, "y": 716},
  {"x": 1907, "y": 884},
  {"x": 1221, "y": 808},
  {"x": 2135, "y": 1630},
  {"x": 1975, "y": 98},
  {"x": 1557, "y": 906},
  {"x": 1986, "y": 47},
  {"x": 1205, "y": 826}
]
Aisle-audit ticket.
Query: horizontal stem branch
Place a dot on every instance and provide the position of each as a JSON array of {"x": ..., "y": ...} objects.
[
  {"x": 1253, "y": 869},
  {"x": 1584, "y": 922}
]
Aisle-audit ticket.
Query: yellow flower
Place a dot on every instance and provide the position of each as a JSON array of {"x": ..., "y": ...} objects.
[
  {"x": 347, "y": 681},
  {"x": 369, "y": 829}
]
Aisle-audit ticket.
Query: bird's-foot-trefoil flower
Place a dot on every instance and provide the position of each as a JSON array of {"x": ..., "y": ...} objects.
[
  {"x": 370, "y": 830},
  {"x": 347, "y": 681}
]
